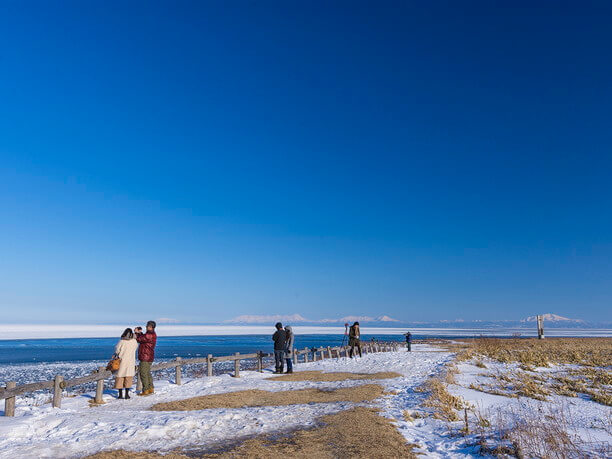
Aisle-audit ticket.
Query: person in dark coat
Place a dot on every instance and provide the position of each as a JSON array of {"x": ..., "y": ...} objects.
[
  {"x": 354, "y": 339},
  {"x": 146, "y": 355},
  {"x": 280, "y": 338},
  {"x": 409, "y": 341}
]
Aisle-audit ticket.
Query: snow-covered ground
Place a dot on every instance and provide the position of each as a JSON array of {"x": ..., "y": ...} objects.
[
  {"x": 587, "y": 423},
  {"x": 77, "y": 429}
]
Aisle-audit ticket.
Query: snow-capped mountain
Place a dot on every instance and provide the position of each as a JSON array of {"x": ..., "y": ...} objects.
[
  {"x": 297, "y": 318},
  {"x": 255, "y": 319},
  {"x": 552, "y": 318}
]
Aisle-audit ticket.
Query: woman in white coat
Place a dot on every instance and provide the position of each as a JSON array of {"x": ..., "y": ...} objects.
[{"x": 126, "y": 351}]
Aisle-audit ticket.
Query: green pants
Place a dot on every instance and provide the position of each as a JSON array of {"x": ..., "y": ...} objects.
[{"x": 144, "y": 373}]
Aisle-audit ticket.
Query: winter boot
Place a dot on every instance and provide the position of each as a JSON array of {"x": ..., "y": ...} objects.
[
  {"x": 127, "y": 394},
  {"x": 120, "y": 394}
]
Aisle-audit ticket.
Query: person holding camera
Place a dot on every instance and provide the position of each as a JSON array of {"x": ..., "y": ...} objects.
[
  {"x": 354, "y": 339},
  {"x": 146, "y": 355}
]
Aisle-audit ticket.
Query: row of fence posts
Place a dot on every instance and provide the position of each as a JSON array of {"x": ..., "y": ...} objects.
[{"x": 59, "y": 384}]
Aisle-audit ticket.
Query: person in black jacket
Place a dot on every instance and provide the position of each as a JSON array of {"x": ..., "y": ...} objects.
[
  {"x": 408, "y": 341},
  {"x": 280, "y": 338}
]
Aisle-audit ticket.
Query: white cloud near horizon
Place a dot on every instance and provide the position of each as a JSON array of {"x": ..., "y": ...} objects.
[{"x": 297, "y": 318}]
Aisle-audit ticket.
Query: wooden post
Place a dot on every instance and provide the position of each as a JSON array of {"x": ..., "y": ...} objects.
[
  {"x": 295, "y": 356},
  {"x": 305, "y": 355},
  {"x": 237, "y": 366},
  {"x": 209, "y": 365},
  {"x": 540, "y": 321},
  {"x": 99, "y": 387},
  {"x": 139, "y": 380},
  {"x": 322, "y": 352},
  {"x": 259, "y": 362},
  {"x": 178, "y": 376},
  {"x": 329, "y": 352},
  {"x": 57, "y": 391},
  {"x": 9, "y": 403}
]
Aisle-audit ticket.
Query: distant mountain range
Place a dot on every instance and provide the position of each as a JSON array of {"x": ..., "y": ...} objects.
[
  {"x": 550, "y": 320},
  {"x": 553, "y": 318}
]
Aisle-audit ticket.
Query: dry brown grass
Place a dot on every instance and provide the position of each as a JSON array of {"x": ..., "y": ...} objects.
[
  {"x": 587, "y": 353},
  {"x": 253, "y": 397},
  {"x": 357, "y": 433},
  {"x": 444, "y": 403},
  {"x": 592, "y": 352},
  {"x": 336, "y": 376}
]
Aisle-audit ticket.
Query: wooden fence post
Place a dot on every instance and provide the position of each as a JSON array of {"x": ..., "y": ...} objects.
[
  {"x": 209, "y": 365},
  {"x": 329, "y": 352},
  {"x": 178, "y": 376},
  {"x": 295, "y": 356},
  {"x": 305, "y": 355},
  {"x": 57, "y": 391},
  {"x": 9, "y": 403},
  {"x": 237, "y": 366},
  {"x": 99, "y": 387},
  {"x": 139, "y": 380},
  {"x": 259, "y": 362},
  {"x": 540, "y": 321}
]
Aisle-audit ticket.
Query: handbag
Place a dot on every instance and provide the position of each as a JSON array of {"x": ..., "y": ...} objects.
[{"x": 114, "y": 363}]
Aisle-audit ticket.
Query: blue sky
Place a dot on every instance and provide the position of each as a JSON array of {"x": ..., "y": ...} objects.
[{"x": 202, "y": 160}]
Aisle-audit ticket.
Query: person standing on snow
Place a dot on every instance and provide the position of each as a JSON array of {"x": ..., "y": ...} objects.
[
  {"x": 289, "y": 348},
  {"x": 354, "y": 339},
  {"x": 146, "y": 355},
  {"x": 409, "y": 341},
  {"x": 279, "y": 337},
  {"x": 126, "y": 351}
]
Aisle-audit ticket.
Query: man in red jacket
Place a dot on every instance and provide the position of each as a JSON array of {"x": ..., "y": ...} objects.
[{"x": 146, "y": 355}]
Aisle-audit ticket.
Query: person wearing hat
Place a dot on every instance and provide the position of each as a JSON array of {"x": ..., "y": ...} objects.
[
  {"x": 146, "y": 355},
  {"x": 280, "y": 340},
  {"x": 126, "y": 352},
  {"x": 354, "y": 339}
]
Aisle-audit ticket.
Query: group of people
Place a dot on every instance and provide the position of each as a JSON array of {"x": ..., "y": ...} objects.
[
  {"x": 284, "y": 341},
  {"x": 144, "y": 342},
  {"x": 125, "y": 350},
  {"x": 283, "y": 348}
]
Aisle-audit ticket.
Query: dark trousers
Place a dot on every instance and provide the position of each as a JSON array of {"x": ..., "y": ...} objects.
[
  {"x": 354, "y": 343},
  {"x": 279, "y": 357},
  {"x": 289, "y": 364},
  {"x": 409, "y": 346}
]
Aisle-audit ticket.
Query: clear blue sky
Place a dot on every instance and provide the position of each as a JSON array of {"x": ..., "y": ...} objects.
[{"x": 201, "y": 160}]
